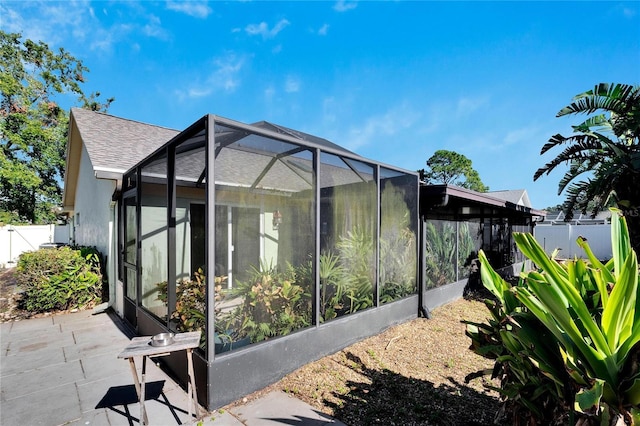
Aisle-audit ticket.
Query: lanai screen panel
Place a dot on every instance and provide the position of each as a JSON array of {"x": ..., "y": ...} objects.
[
  {"x": 398, "y": 231},
  {"x": 153, "y": 235},
  {"x": 348, "y": 236},
  {"x": 264, "y": 237}
]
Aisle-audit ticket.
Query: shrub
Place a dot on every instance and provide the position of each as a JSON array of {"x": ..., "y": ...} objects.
[
  {"x": 586, "y": 311},
  {"x": 60, "y": 279}
]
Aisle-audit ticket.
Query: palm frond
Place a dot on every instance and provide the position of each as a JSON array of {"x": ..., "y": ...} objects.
[
  {"x": 599, "y": 122},
  {"x": 609, "y": 97}
]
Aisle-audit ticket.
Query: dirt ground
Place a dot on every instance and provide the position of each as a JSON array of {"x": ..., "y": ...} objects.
[
  {"x": 9, "y": 297},
  {"x": 411, "y": 374}
]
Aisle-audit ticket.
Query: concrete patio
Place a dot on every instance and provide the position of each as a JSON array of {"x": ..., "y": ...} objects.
[{"x": 64, "y": 370}]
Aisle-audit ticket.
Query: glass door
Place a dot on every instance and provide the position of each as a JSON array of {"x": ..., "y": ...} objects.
[{"x": 130, "y": 259}]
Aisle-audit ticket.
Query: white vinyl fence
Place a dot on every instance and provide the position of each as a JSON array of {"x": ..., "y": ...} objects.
[
  {"x": 564, "y": 237},
  {"x": 15, "y": 240}
]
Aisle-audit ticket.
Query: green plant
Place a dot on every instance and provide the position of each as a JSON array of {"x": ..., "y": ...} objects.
[
  {"x": 273, "y": 304},
  {"x": 440, "y": 254},
  {"x": 397, "y": 267},
  {"x": 356, "y": 254},
  {"x": 528, "y": 364},
  {"x": 331, "y": 288},
  {"x": 590, "y": 312},
  {"x": 605, "y": 147},
  {"x": 60, "y": 279},
  {"x": 189, "y": 312}
]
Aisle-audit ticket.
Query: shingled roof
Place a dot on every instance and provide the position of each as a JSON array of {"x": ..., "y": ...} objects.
[
  {"x": 115, "y": 143},
  {"x": 515, "y": 196}
]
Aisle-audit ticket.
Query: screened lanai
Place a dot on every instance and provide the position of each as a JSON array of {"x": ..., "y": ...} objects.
[
  {"x": 279, "y": 245},
  {"x": 458, "y": 223}
]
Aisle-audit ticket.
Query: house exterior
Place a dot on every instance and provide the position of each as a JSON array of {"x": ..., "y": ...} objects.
[
  {"x": 100, "y": 149},
  {"x": 281, "y": 246}
]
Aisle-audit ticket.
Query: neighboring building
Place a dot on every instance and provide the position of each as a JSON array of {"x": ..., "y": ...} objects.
[{"x": 281, "y": 245}]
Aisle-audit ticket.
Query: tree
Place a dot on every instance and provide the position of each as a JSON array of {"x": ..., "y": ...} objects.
[
  {"x": 603, "y": 154},
  {"x": 33, "y": 127},
  {"x": 448, "y": 167}
]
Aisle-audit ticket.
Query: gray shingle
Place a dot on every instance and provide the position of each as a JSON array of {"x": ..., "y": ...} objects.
[{"x": 117, "y": 143}]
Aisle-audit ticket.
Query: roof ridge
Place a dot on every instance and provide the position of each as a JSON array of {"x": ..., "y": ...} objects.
[{"x": 84, "y": 110}]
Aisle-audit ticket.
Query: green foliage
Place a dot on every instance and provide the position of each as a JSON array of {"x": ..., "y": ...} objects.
[
  {"x": 273, "y": 304},
  {"x": 603, "y": 154},
  {"x": 346, "y": 276},
  {"x": 448, "y": 167},
  {"x": 397, "y": 271},
  {"x": 589, "y": 313},
  {"x": 528, "y": 364},
  {"x": 60, "y": 279},
  {"x": 33, "y": 127},
  {"x": 189, "y": 312},
  {"x": 440, "y": 254}
]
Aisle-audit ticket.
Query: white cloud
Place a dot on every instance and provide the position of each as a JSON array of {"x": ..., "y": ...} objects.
[
  {"x": 628, "y": 12},
  {"x": 323, "y": 30},
  {"x": 391, "y": 122},
  {"x": 263, "y": 30},
  {"x": 343, "y": 5},
  {"x": 225, "y": 78},
  {"x": 292, "y": 84},
  {"x": 466, "y": 106},
  {"x": 65, "y": 23},
  {"x": 269, "y": 92},
  {"x": 154, "y": 28},
  {"x": 197, "y": 9}
]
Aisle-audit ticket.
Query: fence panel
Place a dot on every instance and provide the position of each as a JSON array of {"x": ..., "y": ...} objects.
[
  {"x": 564, "y": 237},
  {"x": 15, "y": 240}
]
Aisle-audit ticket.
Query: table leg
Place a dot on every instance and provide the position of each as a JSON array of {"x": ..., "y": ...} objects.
[
  {"x": 143, "y": 411},
  {"x": 140, "y": 390},
  {"x": 192, "y": 394}
]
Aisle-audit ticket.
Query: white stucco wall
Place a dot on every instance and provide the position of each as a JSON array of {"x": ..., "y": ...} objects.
[{"x": 94, "y": 218}]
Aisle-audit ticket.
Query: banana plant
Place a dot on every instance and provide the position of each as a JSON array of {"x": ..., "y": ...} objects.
[
  {"x": 529, "y": 368},
  {"x": 592, "y": 310}
]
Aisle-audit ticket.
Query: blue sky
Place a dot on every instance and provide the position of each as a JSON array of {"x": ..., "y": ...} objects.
[{"x": 392, "y": 81}]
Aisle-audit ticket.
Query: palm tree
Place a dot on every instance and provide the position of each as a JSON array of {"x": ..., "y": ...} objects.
[{"x": 603, "y": 154}]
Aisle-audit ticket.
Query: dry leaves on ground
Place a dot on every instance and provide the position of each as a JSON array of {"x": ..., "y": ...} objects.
[{"x": 411, "y": 374}]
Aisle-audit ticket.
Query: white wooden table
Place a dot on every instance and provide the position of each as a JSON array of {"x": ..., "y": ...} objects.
[{"x": 141, "y": 346}]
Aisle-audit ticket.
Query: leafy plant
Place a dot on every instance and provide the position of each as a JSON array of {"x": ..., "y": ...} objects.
[
  {"x": 591, "y": 315},
  {"x": 189, "y": 312},
  {"x": 331, "y": 286},
  {"x": 347, "y": 276},
  {"x": 60, "y": 279},
  {"x": 273, "y": 304},
  {"x": 606, "y": 148},
  {"x": 440, "y": 254},
  {"x": 397, "y": 257},
  {"x": 528, "y": 364}
]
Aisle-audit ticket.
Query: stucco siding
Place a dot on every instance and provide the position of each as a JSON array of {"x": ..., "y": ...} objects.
[{"x": 92, "y": 208}]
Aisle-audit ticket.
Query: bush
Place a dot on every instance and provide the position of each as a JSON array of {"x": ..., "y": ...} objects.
[
  {"x": 586, "y": 312},
  {"x": 60, "y": 279}
]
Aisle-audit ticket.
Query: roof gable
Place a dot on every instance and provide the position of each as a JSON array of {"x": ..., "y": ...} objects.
[
  {"x": 117, "y": 144},
  {"x": 515, "y": 196}
]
